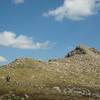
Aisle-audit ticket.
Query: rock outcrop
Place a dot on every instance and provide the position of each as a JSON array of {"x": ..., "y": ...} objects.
[{"x": 78, "y": 50}]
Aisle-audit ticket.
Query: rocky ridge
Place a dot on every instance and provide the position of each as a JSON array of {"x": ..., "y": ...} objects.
[{"x": 74, "y": 77}]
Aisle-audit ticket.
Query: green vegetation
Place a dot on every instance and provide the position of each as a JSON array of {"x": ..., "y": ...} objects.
[{"x": 75, "y": 77}]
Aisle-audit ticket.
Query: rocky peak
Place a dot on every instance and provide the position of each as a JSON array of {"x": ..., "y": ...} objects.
[
  {"x": 78, "y": 50},
  {"x": 82, "y": 50}
]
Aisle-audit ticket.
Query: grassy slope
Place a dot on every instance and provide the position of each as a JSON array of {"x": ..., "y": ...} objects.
[{"x": 54, "y": 79}]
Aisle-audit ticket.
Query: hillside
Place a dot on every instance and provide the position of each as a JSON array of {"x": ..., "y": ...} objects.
[{"x": 74, "y": 77}]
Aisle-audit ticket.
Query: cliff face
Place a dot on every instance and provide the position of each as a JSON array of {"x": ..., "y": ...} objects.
[{"x": 74, "y": 77}]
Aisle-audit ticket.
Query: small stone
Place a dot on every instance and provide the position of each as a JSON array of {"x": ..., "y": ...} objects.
[
  {"x": 26, "y": 96},
  {"x": 58, "y": 89}
]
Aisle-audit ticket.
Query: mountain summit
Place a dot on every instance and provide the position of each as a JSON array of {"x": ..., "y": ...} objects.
[
  {"x": 74, "y": 77},
  {"x": 82, "y": 49}
]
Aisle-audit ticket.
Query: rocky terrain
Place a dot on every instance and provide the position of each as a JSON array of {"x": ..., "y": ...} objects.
[{"x": 74, "y": 77}]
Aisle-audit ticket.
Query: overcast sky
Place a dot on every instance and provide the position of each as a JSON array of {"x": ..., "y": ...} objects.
[{"x": 44, "y": 29}]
